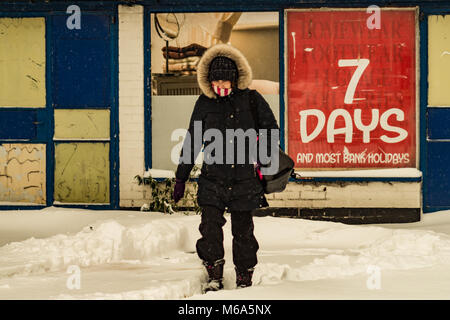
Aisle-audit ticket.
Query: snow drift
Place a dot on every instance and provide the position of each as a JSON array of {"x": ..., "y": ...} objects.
[{"x": 290, "y": 250}]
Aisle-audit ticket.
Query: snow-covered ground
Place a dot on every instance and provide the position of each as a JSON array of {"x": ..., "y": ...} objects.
[{"x": 59, "y": 253}]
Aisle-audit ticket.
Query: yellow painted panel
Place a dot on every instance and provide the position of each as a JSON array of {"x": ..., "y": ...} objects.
[
  {"x": 82, "y": 172},
  {"x": 22, "y": 173},
  {"x": 439, "y": 60},
  {"x": 22, "y": 62},
  {"x": 81, "y": 124}
]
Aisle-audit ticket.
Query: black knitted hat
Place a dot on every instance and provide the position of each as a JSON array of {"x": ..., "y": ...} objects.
[{"x": 222, "y": 68}]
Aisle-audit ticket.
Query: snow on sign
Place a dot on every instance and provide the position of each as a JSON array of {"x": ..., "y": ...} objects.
[{"x": 351, "y": 89}]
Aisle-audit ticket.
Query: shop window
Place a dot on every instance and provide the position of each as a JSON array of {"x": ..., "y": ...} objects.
[{"x": 177, "y": 44}]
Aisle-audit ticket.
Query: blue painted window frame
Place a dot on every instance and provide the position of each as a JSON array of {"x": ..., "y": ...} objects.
[
  {"x": 47, "y": 11},
  {"x": 45, "y": 132},
  {"x": 425, "y": 12},
  {"x": 112, "y": 12},
  {"x": 15, "y": 9}
]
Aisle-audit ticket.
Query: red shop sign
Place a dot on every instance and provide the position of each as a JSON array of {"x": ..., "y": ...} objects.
[{"x": 351, "y": 89}]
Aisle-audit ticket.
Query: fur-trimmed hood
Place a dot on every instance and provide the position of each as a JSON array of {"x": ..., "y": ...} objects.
[{"x": 244, "y": 69}]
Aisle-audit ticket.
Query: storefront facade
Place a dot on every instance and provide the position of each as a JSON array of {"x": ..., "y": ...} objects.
[{"x": 88, "y": 100}]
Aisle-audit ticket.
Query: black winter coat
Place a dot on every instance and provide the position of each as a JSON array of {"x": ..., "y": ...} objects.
[{"x": 233, "y": 186}]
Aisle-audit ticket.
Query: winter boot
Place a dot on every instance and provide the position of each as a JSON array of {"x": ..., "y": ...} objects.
[
  {"x": 215, "y": 274},
  {"x": 244, "y": 277}
]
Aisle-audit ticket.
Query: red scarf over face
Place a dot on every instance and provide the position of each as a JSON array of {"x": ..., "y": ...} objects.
[{"x": 221, "y": 91}]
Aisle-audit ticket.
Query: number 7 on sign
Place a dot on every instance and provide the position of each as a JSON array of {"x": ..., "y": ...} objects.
[{"x": 361, "y": 65}]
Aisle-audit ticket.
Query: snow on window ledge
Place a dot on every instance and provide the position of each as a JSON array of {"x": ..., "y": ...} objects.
[
  {"x": 372, "y": 173},
  {"x": 161, "y": 173}
]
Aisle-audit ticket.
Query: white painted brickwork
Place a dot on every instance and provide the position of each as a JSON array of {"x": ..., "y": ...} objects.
[
  {"x": 337, "y": 195},
  {"x": 131, "y": 104},
  {"x": 349, "y": 195}
]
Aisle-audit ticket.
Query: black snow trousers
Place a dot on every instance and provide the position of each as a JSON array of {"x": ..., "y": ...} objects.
[{"x": 210, "y": 245}]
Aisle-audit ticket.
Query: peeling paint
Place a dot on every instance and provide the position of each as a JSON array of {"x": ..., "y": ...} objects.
[
  {"x": 82, "y": 124},
  {"x": 82, "y": 172},
  {"x": 438, "y": 50},
  {"x": 22, "y": 177},
  {"x": 23, "y": 64}
]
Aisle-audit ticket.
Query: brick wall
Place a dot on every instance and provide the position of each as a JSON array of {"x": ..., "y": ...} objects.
[
  {"x": 348, "y": 195},
  {"x": 337, "y": 195},
  {"x": 131, "y": 104}
]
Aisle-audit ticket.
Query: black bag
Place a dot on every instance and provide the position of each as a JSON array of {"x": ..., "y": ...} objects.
[{"x": 278, "y": 181}]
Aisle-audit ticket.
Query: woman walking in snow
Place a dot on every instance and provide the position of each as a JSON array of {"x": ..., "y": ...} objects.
[{"x": 223, "y": 74}]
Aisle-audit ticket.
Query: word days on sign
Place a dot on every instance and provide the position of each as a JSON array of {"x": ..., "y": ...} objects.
[{"x": 347, "y": 130}]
